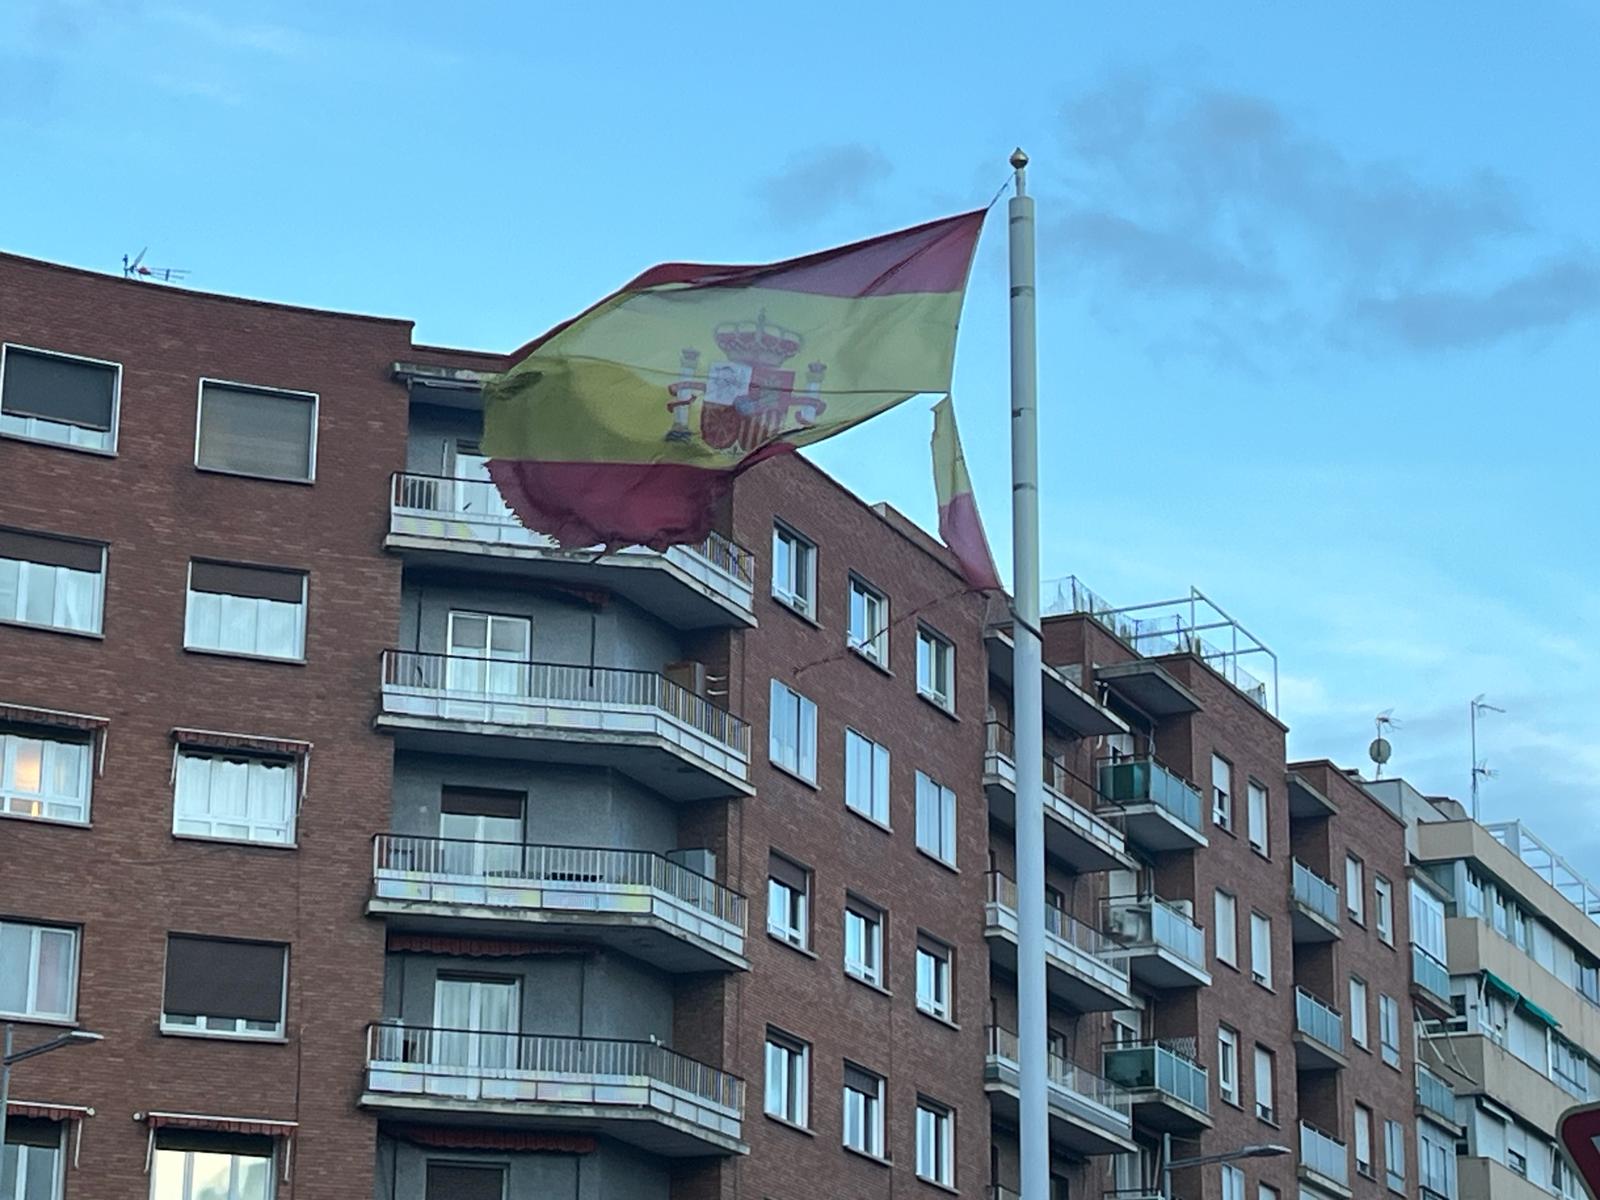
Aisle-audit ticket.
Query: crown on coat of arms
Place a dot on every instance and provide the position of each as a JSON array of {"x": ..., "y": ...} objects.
[{"x": 757, "y": 342}]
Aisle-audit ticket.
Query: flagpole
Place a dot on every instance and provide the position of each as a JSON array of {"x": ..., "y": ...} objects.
[{"x": 1028, "y": 701}]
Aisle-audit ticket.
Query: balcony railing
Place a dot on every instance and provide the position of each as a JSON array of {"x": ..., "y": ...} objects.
[
  {"x": 484, "y": 1055},
  {"x": 1065, "y": 1075},
  {"x": 1324, "y": 1154},
  {"x": 1315, "y": 892},
  {"x": 510, "y": 864},
  {"x": 1435, "y": 1095},
  {"x": 1150, "y": 921},
  {"x": 1318, "y": 1021},
  {"x": 505, "y": 682},
  {"x": 1143, "y": 780},
  {"x": 1063, "y": 928},
  {"x": 1429, "y": 973},
  {"x": 1157, "y": 1066},
  {"x": 477, "y": 500},
  {"x": 1083, "y": 800}
]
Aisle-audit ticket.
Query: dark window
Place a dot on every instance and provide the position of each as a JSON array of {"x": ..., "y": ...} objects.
[
  {"x": 259, "y": 583},
  {"x": 68, "y": 391},
  {"x": 208, "y": 977},
  {"x": 458, "y": 1181},
  {"x": 257, "y": 431}
]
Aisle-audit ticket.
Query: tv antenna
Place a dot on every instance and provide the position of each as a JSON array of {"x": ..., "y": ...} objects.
[
  {"x": 1480, "y": 769},
  {"x": 135, "y": 268},
  {"x": 1381, "y": 750}
]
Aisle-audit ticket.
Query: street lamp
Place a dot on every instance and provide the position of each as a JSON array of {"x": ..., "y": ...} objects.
[
  {"x": 73, "y": 1037},
  {"x": 1170, "y": 1164}
]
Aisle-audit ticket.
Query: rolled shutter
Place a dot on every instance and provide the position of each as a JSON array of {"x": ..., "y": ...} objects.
[
  {"x": 212, "y": 978},
  {"x": 482, "y": 803},
  {"x": 790, "y": 874},
  {"x": 52, "y": 551},
  {"x": 263, "y": 583},
  {"x": 58, "y": 389},
  {"x": 256, "y": 432},
  {"x": 859, "y": 1080}
]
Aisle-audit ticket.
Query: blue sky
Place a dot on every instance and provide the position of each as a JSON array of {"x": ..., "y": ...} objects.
[{"x": 1320, "y": 284}]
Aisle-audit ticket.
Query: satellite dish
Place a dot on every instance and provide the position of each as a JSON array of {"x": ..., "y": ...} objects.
[{"x": 1380, "y": 750}]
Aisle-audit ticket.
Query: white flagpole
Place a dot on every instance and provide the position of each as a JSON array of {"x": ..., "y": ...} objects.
[{"x": 1028, "y": 701}]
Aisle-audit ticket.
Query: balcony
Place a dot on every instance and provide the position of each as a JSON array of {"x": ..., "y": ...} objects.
[
  {"x": 998, "y": 1191},
  {"x": 1324, "y": 1162},
  {"x": 639, "y": 903},
  {"x": 1160, "y": 810},
  {"x": 1087, "y": 1115},
  {"x": 636, "y": 722},
  {"x": 1065, "y": 703},
  {"x": 1318, "y": 1034},
  {"x": 1435, "y": 1097},
  {"x": 1171, "y": 1092},
  {"x": 637, "y": 1092},
  {"x": 1072, "y": 831},
  {"x": 1430, "y": 982},
  {"x": 1079, "y": 967},
  {"x": 1161, "y": 944},
  {"x": 1314, "y": 907},
  {"x": 457, "y": 523}
]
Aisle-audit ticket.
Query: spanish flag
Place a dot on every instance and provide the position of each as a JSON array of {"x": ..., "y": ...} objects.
[
  {"x": 959, "y": 523},
  {"x": 627, "y": 424}
]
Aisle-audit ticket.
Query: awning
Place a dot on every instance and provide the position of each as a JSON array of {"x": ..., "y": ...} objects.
[
  {"x": 1539, "y": 1014},
  {"x": 48, "y": 1112},
  {"x": 1495, "y": 983},
  {"x": 51, "y": 718},
  {"x": 447, "y": 1138},
  {"x": 429, "y": 943},
  {"x": 254, "y": 1126},
  {"x": 251, "y": 743}
]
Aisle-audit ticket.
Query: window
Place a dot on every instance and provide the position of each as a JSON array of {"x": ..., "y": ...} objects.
[
  {"x": 1232, "y": 1183},
  {"x": 59, "y": 398},
  {"x": 1261, "y": 949},
  {"x": 936, "y": 668},
  {"x": 863, "y": 1110},
  {"x": 488, "y": 654},
  {"x": 1259, "y": 837},
  {"x": 44, "y": 776},
  {"x": 869, "y": 622},
  {"x": 1358, "y": 1011},
  {"x": 794, "y": 570},
  {"x": 246, "y": 610},
  {"x": 866, "y": 777},
  {"x": 863, "y": 942},
  {"x": 465, "y": 1181},
  {"x": 788, "y": 1078},
  {"x": 1517, "y": 1161},
  {"x": 1389, "y": 1029},
  {"x": 936, "y": 819},
  {"x": 223, "y": 987},
  {"x": 792, "y": 732},
  {"x": 1436, "y": 1160},
  {"x": 1225, "y": 921},
  {"x": 1228, "y": 1064},
  {"x": 936, "y": 1142},
  {"x": 1363, "y": 1137},
  {"x": 1383, "y": 897},
  {"x": 199, "y": 1174},
  {"x": 1221, "y": 792},
  {"x": 1394, "y": 1156},
  {"x": 239, "y": 799},
  {"x": 933, "y": 977},
  {"x": 30, "y": 1160},
  {"x": 1266, "y": 1191},
  {"x": 38, "y": 971},
  {"x": 1355, "y": 889},
  {"x": 256, "y": 431},
  {"x": 1266, "y": 1088},
  {"x": 788, "y": 889},
  {"x": 52, "y": 582}
]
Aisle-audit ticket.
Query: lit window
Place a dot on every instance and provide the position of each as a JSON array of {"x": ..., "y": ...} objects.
[
  {"x": 45, "y": 777},
  {"x": 59, "y": 398},
  {"x": 788, "y": 1078},
  {"x": 936, "y": 819},
  {"x": 220, "y": 1174},
  {"x": 224, "y": 987},
  {"x": 52, "y": 582},
  {"x": 788, "y": 888},
  {"x": 863, "y": 942},
  {"x": 264, "y": 432},
  {"x": 1261, "y": 949},
  {"x": 1221, "y": 792},
  {"x": 794, "y": 570},
  {"x": 936, "y": 1149},
  {"x": 866, "y": 776},
  {"x": 238, "y": 799},
  {"x": 38, "y": 971},
  {"x": 1225, "y": 922},
  {"x": 933, "y": 977},
  {"x": 1383, "y": 919},
  {"x": 869, "y": 622},
  {"x": 792, "y": 732},
  {"x": 863, "y": 1111},
  {"x": 936, "y": 669},
  {"x": 1259, "y": 836},
  {"x": 1228, "y": 1064},
  {"x": 257, "y": 611}
]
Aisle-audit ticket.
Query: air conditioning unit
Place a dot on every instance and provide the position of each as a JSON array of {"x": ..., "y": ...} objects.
[
  {"x": 1186, "y": 907},
  {"x": 1127, "y": 923}
]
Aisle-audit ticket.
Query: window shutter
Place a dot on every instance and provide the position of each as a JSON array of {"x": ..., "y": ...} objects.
[
  {"x": 861, "y": 1081},
  {"x": 256, "y": 432},
  {"x": 790, "y": 874},
  {"x": 457, "y": 1181},
  {"x": 262, "y": 583},
  {"x": 58, "y": 389},
  {"x": 482, "y": 803},
  {"x": 213, "y": 978},
  {"x": 52, "y": 551}
]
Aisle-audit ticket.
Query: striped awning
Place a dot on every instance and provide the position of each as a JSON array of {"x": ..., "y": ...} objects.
[
  {"x": 469, "y": 947},
  {"x": 452, "y": 1138},
  {"x": 26, "y": 714},
  {"x": 217, "y": 740},
  {"x": 248, "y": 1125},
  {"x": 48, "y": 1112}
]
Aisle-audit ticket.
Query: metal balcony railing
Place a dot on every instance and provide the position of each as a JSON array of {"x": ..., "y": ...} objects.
[
  {"x": 1084, "y": 808},
  {"x": 479, "y": 500},
  {"x": 512, "y": 863},
  {"x": 1324, "y": 1154},
  {"x": 1143, "y": 780},
  {"x": 1429, "y": 973},
  {"x": 1062, "y": 927},
  {"x": 1318, "y": 1021},
  {"x": 504, "y": 681},
  {"x": 1315, "y": 892},
  {"x": 1435, "y": 1095},
  {"x": 1065, "y": 1075},
  {"x": 480, "y": 1054},
  {"x": 1157, "y": 1066},
  {"x": 1133, "y": 921}
]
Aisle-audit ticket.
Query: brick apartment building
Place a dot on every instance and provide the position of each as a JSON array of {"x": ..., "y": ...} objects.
[{"x": 397, "y": 853}]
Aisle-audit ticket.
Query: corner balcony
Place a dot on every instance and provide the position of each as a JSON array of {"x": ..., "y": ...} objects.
[
  {"x": 1318, "y": 1034},
  {"x": 460, "y": 524},
  {"x": 1160, "y": 809},
  {"x": 636, "y": 722},
  {"x": 637, "y": 1092},
  {"x": 1079, "y": 969},
  {"x": 1324, "y": 1161},
  {"x": 1171, "y": 1092},
  {"x": 1088, "y": 1116},
  {"x": 1313, "y": 907},
  {"x": 1430, "y": 983},
  {"x": 636, "y": 902},
  {"x": 1161, "y": 944},
  {"x": 1072, "y": 830}
]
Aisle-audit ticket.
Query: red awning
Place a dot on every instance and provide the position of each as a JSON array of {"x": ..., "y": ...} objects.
[
  {"x": 428, "y": 943},
  {"x": 48, "y": 1112},
  {"x": 449, "y": 1138},
  {"x": 216, "y": 740},
  {"x": 28, "y": 715},
  {"x": 256, "y": 1125}
]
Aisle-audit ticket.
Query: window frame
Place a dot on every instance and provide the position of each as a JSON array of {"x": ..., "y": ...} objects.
[
  {"x": 1260, "y": 920},
  {"x": 1389, "y": 1022},
  {"x": 1232, "y": 957},
  {"x": 186, "y": 1186},
  {"x": 943, "y": 970},
  {"x": 1355, "y": 889},
  {"x": 1267, "y": 1111},
  {"x": 873, "y": 920},
  {"x": 116, "y": 399},
  {"x": 803, "y": 755},
  {"x": 36, "y": 931},
  {"x": 99, "y": 629},
  {"x": 304, "y": 607},
  {"x": 1360, "y": 1031},
  {"x": 942, "y": 1122},
  {"x": 946, "y": 818},
  {"x": 872, "y": 1114},
  {"x": 877, "y": 810},
  {"x": 1361, "y": 1131},
  {"x": 875, "y": 649},
  {"x": 798, "y": 907},
  {"x": 1221, "y": 798},
  {"x": 291, "y": 827},
  {"x": 1253, "y": 789},
  {"x": 1383, "y": 908},
  {"x": 796, "y": 1077},
  {"x": 47, "y": 737},
  {"x": 936, "y": 641},
  {"x": 266, "y": 390},
  {"x": 1228, "y": 1064},
  {"x": 803, "y": 604},
  {"x": 202, "y": 1023},
  {"x": 1232, "y": 1182}
]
